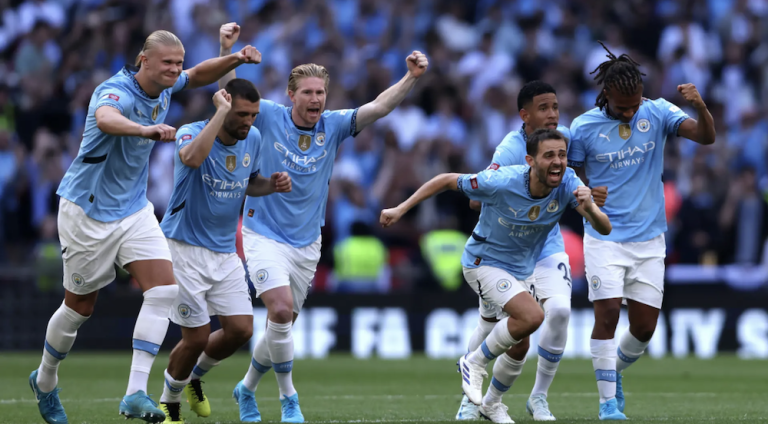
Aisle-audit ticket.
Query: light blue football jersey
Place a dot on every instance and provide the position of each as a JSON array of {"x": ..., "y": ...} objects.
[
  {"x": 307, "y": 154},
  {"x": 629, "y": 160},
  {"x": 108, "y": 178},
  {"x": 205, "y": 205},
  {"x": 512, "y": 151},
  {"x": 513, "y": 226}
]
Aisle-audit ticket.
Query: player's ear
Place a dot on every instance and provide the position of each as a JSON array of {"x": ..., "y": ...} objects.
[
  {"x": 524, "y": 115},
  {"x": 529, "y": 160}
]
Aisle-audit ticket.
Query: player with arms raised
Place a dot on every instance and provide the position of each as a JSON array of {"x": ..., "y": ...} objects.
[
  {"x": 521, "y": 206},
  {"x": 551, "y": 285},
  {"x": 105, "y": 218},
  {"x": 216, "y": 167},
  {"x": 620, "y": 144},
  {"x": 281, "y": 234}
]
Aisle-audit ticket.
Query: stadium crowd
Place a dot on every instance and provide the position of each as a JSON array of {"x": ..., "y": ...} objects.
[{"x": 53, "y": 53}]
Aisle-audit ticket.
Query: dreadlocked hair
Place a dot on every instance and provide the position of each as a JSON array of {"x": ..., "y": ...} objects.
[{"x": 617, "y": 73}]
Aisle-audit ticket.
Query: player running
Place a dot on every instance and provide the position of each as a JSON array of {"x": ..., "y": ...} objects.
[
  {"x": 551, "y": 281},
  {"x": 105, "y": 218},
  {"x": 216, "y": 166},
  {"x": 521, "y": 206},
  {"x": 281, "y": 234},
  {"x": 620, "y": 144}
]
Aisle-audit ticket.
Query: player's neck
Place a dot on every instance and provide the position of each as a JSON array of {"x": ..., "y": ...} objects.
[
  {"x": 225, "y": 138},
  {"x": 146, "y": 84},
  {"x": 537, "y": 189}
]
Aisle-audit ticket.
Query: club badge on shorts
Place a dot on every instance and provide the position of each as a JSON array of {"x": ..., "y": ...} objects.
[
  {"x": 78, "y": 280},
  {"x": 503, "y": 285},
  {"x": 594, "y": 282},
  {"x": 261, "y": 275},
  {"x": 184, "y": 311}
]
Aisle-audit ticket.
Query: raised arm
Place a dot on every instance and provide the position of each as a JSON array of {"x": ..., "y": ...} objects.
[
  {"x": 702, "y": 129},
  {"x": 432, "y": 187},
  {"x": 591, "y": 212},
  {"x": 110, "y": 121},
  {"x": 228, "y": 35},
  {"x": 387, "y": 101},
  {"x": 193, "y": 154}
]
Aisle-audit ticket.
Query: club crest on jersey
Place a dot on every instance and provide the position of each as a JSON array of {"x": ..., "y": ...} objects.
[
  {"x": 304, "y": 142},
  {"x": 246, "y": 160},
  {"x": 155, "y": 111},
  {"x": 185, "y": 311},
  {"x": 320, "y": 139},
  {"x": 595, "y": 282},
  {"x": 78, "y": 280},
  {"x": 231, "y": 163},
  {"x": 261, "y": 275},
  {"x": 553, "y": 206},
  {"x": 534, "y": 212},
  {"x": 503, "y": 285},
  {"x": 625, "y": 131},
  {"x": 643, "y": 125}
]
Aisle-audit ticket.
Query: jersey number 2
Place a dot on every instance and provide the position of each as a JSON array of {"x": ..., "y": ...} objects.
[{"x": 563, "y": 267}]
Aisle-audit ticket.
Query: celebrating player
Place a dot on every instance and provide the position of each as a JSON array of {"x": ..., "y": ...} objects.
[
  {"x": 216, "y": 167},
  {"x": 620, "y": 144},
  {"x": 281, "y": 234},
  {"x": 521, "y": 206},
  {"x": 551, "y": 281},
  {"x": 105, "y": 218}
]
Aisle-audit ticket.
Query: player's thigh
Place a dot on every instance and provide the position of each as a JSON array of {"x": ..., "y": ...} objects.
[
  {"x": 644, "y": 281},
  {"x": 144, "y": 250},
  {"x": 605, "y": 266},
  {"x": 268, "y": 265},
  {"x": 494, "y": 285},
  {"x": 552, "y": 277},
  {"x": 229, "y": 292},
  {"x": 89, "y": 249},
  {"x": 190, "y": 308},
  {"x": 302, "y": 272}
]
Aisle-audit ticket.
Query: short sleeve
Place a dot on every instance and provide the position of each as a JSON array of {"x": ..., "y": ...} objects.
[
  {"x": 671, "y": 116},
  {"x": 572, "y": 183},
  {"x": 184, "y": 136},
  {"x": 481, "y": 187},
  {"x": 117, "y": 97},
  {"x": 181, "y": 83},
  {"x": 577, "y": 151},
  {"x": 343, "y": 123},
  {"x": 268, "y": 111}
]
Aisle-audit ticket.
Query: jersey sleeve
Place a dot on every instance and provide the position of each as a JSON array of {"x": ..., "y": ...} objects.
[
  {"x": 256, "y": 154},
  {"x": 184, "y": 136},
  {"x": 268, "y": 110},
  {"x": 181, "y": 83},
  {"x": 577, "y": 151},
  {"x": 572, "y": 182},
  {"x": 481, "y": 187},
  {"x": 671, "y": 116},
  {"x": 506, "y": 156},
  {"x": 342, "y": 122},
  {"x": 115, "y": 96}
]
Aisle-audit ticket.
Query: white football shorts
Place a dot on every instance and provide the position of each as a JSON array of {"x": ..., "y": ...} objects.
[
  {"x": 495, "y": 287},
  {"x": 631, "y": 270},
  {"x": 90, "y": 248},
  {"x": 274, "y": 264},
  {"x": 210, "y": 283}
]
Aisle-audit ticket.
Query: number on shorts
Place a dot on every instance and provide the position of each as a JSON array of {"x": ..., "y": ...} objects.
[
  {"x": 533, "y": 292},
  {"x": 563, "y": 267}
]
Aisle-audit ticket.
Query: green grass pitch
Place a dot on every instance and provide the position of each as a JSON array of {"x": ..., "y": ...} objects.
[{"x": 341, "y": 390}]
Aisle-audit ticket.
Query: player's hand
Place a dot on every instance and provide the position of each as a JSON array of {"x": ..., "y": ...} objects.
[
  {"x": 281, "y": 182},
  {"x": 249, "y": 54},
  {"x": 691, "y": 95},
  {"x": 390, "y": 216},
  {"x": 222, "y": 100},
  {"x": 417, "y": 63},
  {"x": 599, "y": 195},
  {"x": 228, "y": 35},
  {"x": 159, "y": 132},
  {"x": 584, "y": 196}
]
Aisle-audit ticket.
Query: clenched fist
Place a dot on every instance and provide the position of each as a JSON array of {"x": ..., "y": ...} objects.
[
  {"x": 249, "y": 54},
  {"x": 222, "y": 100},
  {"x": 390, "y": 216},
  {"x": 228, "y": 34},
  {"x": 691, "y": 95},
  {"x": 417, "y": 63},
  {"x": 584, "y": 196},
  {"x": 281, "y": 182},
  {"x": 159, "y": 132},
  {"x": 599, "y": 195}
]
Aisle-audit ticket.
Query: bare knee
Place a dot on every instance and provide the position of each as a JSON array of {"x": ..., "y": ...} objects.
[
  {"x": 82, "y": 304},
  {"x": 281, "y": 312},
  {"x": 606, "y": 317},
  {"x": 643, "y": 331},
  {"x": 532, "y": 320},
  {"x": 239, "y": 334},
  {"x": 195, "y": 339}
]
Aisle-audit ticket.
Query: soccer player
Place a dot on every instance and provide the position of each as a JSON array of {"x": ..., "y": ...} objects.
[
  {"x": 281, "y": 234},
  {"x": 620, "y": 144},
  {"x": 216, "y": 166},
  {"x": 551, "y": 281},
  {"x": 521, "y": 206},
  {"x": 105, "y": 218}
]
